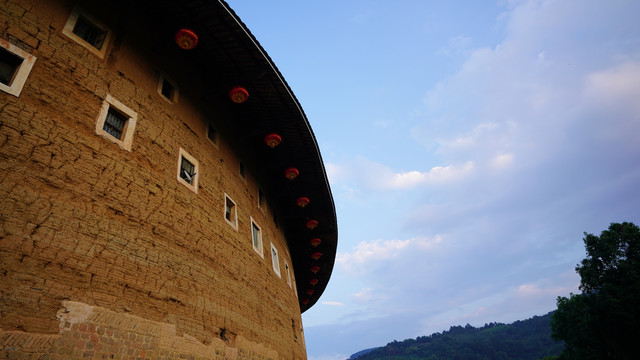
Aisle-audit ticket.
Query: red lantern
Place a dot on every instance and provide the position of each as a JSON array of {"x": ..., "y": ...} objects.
[
  {"x": 313, "y": 282},
  {"x": 310, "y": 291},
  {"x": 305, "y": 301},
  {"x": 314, "y": 269},
  {"x": 311, "y": 224},
  {"x": 272, "y": 140},
  {"x": 291, "y": 173},
  {"x": 302, "y": 201},
  {"x": 315, "y": 242},
  {"x": 238, "y": 94},
  {"x": 186, "y": 39},
  {"x": 316, "y": 255}
]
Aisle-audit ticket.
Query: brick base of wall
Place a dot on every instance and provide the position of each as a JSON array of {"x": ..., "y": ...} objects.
[{"x": 89, "y": 332}]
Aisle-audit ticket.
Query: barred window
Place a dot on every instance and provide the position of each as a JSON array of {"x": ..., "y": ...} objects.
[
  {"x": 187, "y": 171},
  {"x": 114, "y": 123},
  {"x": 89, "y": 32}
]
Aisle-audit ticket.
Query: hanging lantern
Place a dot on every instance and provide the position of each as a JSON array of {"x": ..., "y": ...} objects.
[
  {"x": 315, "y": 242},
  {"x": 314, "y": 269},
  {"x": 313, "y": 282},
  {"x": 291, "y": 173},
  {"x": 272, "y": 140},
  {"x": 305, "y": 301},
  {"x": 302, "y": 201},
  {"x": 310, "y": 291},
  {"x": 186, "y": 39},
  {"x": 316, "y": 255},
  {"x": 238, "y": 94},
  {"x": 311, "y": 224}
]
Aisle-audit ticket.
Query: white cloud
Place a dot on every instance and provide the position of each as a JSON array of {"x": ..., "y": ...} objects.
[
  {"x": 332, "y": 303},
  {"x": 363, "y": 173},
  {"x": 365, "y": 295},
  {"x": 616, "y": 86},
  {"x": 437, "y": 174},
  {"x": 502, "y": 161},
  {"x": 369, "y": 254}
]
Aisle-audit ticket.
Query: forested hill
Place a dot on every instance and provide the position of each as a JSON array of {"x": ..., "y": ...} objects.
[{"x": 522, "y": 340}]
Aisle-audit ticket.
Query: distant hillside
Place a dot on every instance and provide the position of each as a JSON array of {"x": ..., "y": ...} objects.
[
  {"x": 523, "y": 340},
  {"x": 361, "y": 352}
]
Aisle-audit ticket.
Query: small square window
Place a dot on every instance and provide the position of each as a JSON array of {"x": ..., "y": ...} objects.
[
  {"x": 9, "y": 65},
  {"x": 261, "y": 200},
  {"x": 286, "y": 269},
  {"x": 168, "y": 90},
  {"x": 242, "y": 170},
  {"x": 187, "y": 170},
  {"x": 256, "y": 238},
  {"x": 274, "y": 260},
  {"x": 15, "y": 66},
  {"x": 88, "y": 32},
  {"x": 230, "y": 212},
  {"x": 212, "y": 134},
  {"x": 116, "y": 122}
]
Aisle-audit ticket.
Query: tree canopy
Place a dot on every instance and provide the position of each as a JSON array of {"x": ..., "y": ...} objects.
[{"x": 604, "y": 321}]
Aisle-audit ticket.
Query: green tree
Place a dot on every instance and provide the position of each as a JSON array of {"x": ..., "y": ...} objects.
[{"x": 604, "y": 321}]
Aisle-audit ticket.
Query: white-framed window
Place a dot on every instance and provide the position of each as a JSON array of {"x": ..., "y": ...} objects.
[
  {"x": 116, "y": 122},
  {"x": 230, "y": 212},
  {"x": 242, "y": 170},
  {"x": 15, "y": 66},
  {"x": 167, "y": 89},
  {"x": 188, "y": 170},
  {"x": 275, "y": 261},
  {"x": 88, "y": 32},
  {"x": 212, "y": 134},
  {"x": 288, "y": 272},
  {"x": 256, "y": 238}
]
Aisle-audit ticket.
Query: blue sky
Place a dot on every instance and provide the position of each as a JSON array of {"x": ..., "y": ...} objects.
[{"x": 469, "y": 144}]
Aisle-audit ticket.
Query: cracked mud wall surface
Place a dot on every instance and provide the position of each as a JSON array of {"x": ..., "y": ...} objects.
[{"x": 87, "y": 228}]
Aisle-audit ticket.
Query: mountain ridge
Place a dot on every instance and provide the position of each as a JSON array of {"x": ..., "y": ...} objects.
[{"x": 528, "y": 339}]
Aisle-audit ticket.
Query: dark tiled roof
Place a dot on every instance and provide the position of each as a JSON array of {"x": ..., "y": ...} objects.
[{"x": 228, "y": 55}]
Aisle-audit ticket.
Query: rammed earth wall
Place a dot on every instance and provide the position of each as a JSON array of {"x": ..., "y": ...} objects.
[{"x": 103, "y": 252}]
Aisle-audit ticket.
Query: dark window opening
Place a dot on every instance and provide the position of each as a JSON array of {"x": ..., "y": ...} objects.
[
  {"x": 9, "y": 65},
  {"x": 212, "y": 134},
  {"x": 256, "y": 235},
  {"x": 114, "y": 123},
  {"x": 229, "y": 210},
  {"x": 168, "y": 90},
  {"x": 89, "y": 32},
  {"x": 243, "y": 170},
  {"x": 260, "y": 198},
  {"x": 187, "y": 171}
]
